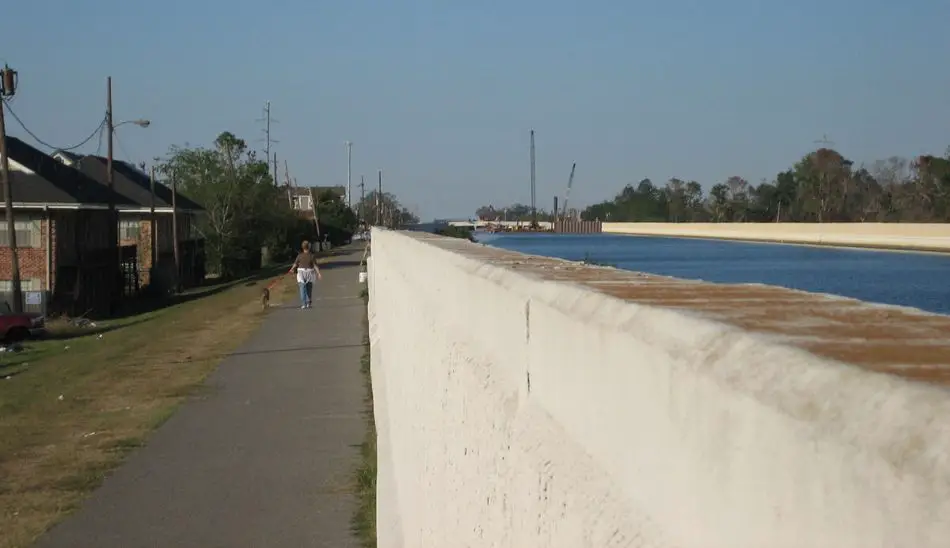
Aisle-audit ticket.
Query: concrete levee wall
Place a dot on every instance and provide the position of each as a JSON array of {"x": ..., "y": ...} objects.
[
  {"x": 518, "y": 412},
  {"x": 911, "y": 236}
]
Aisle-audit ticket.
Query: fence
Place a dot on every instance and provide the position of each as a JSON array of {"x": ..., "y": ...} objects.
[
  {"x": 34, "y": 302},
  {"x": 570, "y": 226}
]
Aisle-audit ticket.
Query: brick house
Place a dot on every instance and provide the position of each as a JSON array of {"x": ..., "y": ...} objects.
[
  {"x": 61, "y": 219},
  {"x": 135, "y": 225}
]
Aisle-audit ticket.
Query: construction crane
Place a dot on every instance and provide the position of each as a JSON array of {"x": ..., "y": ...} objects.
[{"x": 567, "y": 195}]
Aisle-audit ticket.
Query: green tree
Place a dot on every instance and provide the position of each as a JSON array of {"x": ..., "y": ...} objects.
[
  {"x": 389, "y": 212},
  {"x": 243, "y": 209},
  {"x": 719, "y": 202},
  {"x": 932, "y": 186},
  {"x": 823, "y": 178},
  {"x": 337, "y": 221}
]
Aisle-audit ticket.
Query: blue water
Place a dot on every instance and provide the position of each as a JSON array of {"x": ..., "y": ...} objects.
[{"x": 909, "y": 279}]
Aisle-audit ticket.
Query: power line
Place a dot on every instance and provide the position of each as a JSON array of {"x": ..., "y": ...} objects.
[
  {"x": 125, "y": 152},
  {"x": 44, "y": 143},
  {"x": 824, "y": 141},
  {"x": 102, "y": 132}
]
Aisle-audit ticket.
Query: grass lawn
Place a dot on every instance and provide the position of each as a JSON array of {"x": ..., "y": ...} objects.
[{"x": 73, "y": 405}]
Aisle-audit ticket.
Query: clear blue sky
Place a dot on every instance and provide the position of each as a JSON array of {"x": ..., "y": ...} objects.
[{"x": 442, "y": 95}]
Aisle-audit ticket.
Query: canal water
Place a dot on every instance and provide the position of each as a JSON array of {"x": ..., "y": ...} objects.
[{"x": 917, "y": 280}]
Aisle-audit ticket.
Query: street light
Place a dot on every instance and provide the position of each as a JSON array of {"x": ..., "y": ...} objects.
[
  {"x": 140, "y": 123},
  {"x": 113, "y": 216}
]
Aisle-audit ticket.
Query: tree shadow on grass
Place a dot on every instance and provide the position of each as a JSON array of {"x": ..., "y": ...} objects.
[{"x": 151, "y": 303}]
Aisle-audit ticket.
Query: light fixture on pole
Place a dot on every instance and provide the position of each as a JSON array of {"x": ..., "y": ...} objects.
[{"x": 110, "y": 183}]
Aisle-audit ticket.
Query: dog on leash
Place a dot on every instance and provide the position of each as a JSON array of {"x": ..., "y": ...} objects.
[{"x": 265, "y": 298}]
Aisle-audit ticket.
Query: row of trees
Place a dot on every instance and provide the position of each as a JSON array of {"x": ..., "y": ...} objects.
[
  {"x": 387, "y": 211},
  {"x": 823, "y": 186},
  {"x": 245, "y": 211}
]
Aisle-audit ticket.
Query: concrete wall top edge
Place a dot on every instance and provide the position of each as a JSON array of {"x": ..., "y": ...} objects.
[
  {"x": 850, "y": 404},
  {"x": 907, "y": 236}
]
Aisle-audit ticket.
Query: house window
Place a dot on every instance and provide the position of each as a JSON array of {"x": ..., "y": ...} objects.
[
  {"x": 28, "y": 284},
  {"x": 129, "y": 229},
  {"x": 29, "y": 233}
]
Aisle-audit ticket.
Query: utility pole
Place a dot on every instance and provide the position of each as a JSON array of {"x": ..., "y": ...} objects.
[
  {"x": 274, "y": 174},
  {"x": 267, "y": 129},
  {"x": 153, "y": 229},
  {"x": 268, "y": 140},
  {"x": 349, "y": 166},
  {"x": 8, "y": 81},
  {"x": 361, "y": 212},
  {"x": 379, "y": 194},
  {"x": 534, "y": 210},
  {"x": 175, "y": 233},
  {"x": 113, "y": 231}
]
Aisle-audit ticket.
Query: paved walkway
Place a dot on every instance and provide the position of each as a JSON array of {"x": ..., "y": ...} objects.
[{"x": 265, "y": 458}]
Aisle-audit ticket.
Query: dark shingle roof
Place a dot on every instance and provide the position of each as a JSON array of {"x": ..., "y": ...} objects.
[
  {"x": 52, "y": 182},
  {"x": 133, "y": 183}
]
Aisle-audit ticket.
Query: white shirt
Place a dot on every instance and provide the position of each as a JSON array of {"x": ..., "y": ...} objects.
[{"x": 306, "y": 275}]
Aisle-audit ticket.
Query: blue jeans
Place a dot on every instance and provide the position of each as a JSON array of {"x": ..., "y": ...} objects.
[{"x": 306, "y": 293}]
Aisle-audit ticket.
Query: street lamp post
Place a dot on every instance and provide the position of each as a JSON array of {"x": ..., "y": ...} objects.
[{"x": 110, "y": 183}]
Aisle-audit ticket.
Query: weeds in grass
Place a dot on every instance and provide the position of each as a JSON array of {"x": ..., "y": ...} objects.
[{"x": 364, "y": 521}]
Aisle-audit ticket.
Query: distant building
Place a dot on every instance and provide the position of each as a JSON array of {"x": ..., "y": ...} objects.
[{"x": 300, "y": 196}]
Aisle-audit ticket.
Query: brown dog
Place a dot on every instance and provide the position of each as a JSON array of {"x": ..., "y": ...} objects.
[{"x": 265, "y": 298}]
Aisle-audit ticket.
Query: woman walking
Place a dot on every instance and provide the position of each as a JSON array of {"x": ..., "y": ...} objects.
[{"x": 305, "y": 266}]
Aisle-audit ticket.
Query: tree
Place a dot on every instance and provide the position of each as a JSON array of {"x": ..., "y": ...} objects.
[
  {"x": 337, "y": 221},
  {"x": 719, "y": 202},
  {"x": 243, "y": 209},
  {"x": 822, "y": 186},
  {"x": 676, "y": 200},
  {"x": 823, "y": 177},
  {"x": 932, "y": 185},
  {"x": 487, "y": 213},
  {"x": 390, "y": 212}
]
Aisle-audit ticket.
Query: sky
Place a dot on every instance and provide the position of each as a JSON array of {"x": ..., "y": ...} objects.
[{"x": 441, "y": 96}]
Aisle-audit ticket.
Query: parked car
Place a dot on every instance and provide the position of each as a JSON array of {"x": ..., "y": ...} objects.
[{"x": 19, "y": 327}]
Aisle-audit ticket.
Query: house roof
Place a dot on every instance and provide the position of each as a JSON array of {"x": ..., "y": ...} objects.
[
  {"x": 133, "y": 184},
  {"x": 52, "y": 182},
  {"x": 72, "y": 157}
]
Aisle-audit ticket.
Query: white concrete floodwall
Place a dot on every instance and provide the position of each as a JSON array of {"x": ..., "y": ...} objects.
[
  {"x": 524, "y": 413},
  {"x": 916, "y": 236}
]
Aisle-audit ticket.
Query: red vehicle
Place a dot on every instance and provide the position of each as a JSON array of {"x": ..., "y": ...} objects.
[{"x": 19, "y": 327}]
